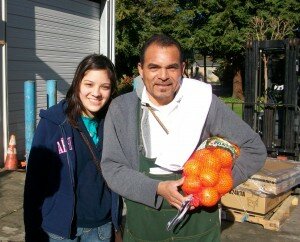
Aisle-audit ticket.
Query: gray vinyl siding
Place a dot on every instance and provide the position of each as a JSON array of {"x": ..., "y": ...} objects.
[{"x": 46, "y": 40}]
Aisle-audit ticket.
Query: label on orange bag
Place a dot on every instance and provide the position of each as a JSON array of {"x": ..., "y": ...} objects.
[{"x": 217, "y": 142}]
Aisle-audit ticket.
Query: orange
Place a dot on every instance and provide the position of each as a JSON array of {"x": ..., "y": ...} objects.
[
  {"x": 192, "y": 167},
  {"x": 208, "y": 196},
  {"x": 208, "y": 177},
  {"x": 211, "y": 161},
  {"x": 225, "y": 183},
  {"x": 227, "y": 170},
  {"x": 191, "y": 184},
  {"x": 199, "y": 154},
  {"x": 224, "y": 156}
]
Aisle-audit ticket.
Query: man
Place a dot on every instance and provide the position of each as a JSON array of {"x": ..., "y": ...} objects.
[{"x": 151, "y": 132}]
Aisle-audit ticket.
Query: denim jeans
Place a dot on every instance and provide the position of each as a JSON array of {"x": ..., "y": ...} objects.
[{"x": 99, "y": 234}]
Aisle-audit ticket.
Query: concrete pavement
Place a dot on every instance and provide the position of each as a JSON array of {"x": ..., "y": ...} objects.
[
  {"x": 11, "y": 205},
  {"x": 12, "y": 228}
]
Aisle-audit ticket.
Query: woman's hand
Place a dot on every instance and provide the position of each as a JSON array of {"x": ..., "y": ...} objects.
[{"x": 118, "y": 236}]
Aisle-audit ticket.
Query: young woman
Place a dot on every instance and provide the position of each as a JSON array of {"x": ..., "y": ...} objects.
[{"x": 65, "y": 195}]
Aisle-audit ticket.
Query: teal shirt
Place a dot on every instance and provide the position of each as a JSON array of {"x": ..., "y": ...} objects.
[{"x": 91, "y": 125}]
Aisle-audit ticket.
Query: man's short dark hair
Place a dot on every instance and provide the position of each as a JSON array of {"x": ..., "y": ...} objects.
[{"x": 160, "y": 40}]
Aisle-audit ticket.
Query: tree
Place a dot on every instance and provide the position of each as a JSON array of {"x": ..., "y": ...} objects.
[
  {"x": 216, "y": 28},
  {"x": 129, "y": 22},
  {"x": 269, "y": 29},
  {"x": 228, "y": 26},
  {"x": 137, "y": 20}
]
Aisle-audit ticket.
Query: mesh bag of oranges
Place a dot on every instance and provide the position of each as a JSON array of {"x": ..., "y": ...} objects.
[{"x": 208, "y": 171}]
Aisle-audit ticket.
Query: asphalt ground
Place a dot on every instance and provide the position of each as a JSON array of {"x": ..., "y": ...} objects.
[{"x": 12, "y": 228}]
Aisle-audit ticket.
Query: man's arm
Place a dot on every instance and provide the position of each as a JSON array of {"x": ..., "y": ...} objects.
[
  {"x": 223, "y": 122},
  {"x": 119, "y": 167}
]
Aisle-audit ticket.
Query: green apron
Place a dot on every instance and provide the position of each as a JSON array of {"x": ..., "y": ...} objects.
[{"x": 144, "y": 223}]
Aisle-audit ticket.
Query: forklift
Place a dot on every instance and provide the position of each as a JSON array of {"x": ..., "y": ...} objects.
[{"x": 272, "y": 88}]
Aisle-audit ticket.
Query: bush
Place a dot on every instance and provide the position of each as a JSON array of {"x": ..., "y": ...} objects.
[{"x": 125, "y": 84}]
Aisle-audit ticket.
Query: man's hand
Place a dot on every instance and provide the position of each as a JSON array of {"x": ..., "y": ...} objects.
[{"x": 169, "y": 191}]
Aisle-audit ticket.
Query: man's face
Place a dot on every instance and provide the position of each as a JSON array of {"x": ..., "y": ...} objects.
[{"x": 161, "y": 73}]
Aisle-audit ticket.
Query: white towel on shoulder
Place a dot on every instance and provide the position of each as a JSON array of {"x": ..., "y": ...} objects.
[{"x": 193, "y": 110}]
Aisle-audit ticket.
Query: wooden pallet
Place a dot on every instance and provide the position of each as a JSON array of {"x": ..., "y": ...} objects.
[{"x": 272, "y": 220}]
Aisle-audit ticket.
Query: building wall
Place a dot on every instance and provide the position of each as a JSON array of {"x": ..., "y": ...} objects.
[{"x": 46, "y": 40}]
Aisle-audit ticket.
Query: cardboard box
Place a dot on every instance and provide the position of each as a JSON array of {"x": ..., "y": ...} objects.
[
  {"x": 276, "y": 177},
  {"x": 251, "y": 202}
]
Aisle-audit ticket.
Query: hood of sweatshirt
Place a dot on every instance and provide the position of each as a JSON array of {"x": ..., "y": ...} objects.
[
  {"x": 55, "y": 113},
  {"x": 138, "y": 85}
]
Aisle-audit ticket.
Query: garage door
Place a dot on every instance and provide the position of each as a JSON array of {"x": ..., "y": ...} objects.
[{"x": 45, "y": 41}]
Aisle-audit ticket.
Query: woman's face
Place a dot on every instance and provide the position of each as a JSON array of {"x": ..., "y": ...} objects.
[{"x": 95, "y": 91}]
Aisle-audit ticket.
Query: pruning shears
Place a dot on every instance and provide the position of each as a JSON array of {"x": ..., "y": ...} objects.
[{"x": 180, "y": 215}]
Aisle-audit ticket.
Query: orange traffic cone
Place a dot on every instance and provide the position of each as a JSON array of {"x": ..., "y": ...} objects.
[{"x": 11, "y": 162}]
